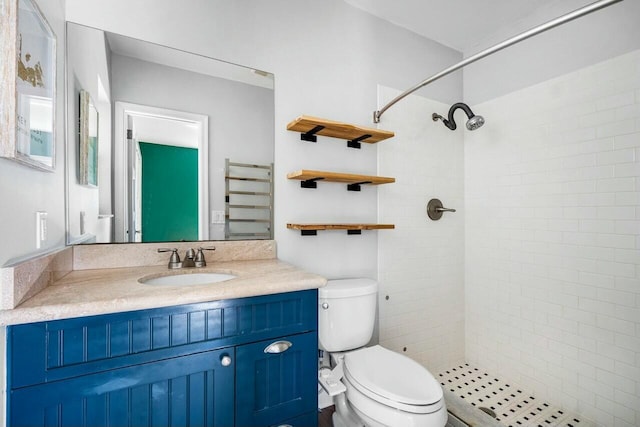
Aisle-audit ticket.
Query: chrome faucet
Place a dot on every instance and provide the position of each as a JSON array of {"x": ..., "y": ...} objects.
[{"x": 191, "y": 259}]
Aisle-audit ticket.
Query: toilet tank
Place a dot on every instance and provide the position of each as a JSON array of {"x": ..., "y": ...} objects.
[{"x": 346, "y": 313}]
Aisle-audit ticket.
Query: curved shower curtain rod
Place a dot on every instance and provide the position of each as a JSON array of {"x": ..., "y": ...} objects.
[{"x": 513, "y": 40}]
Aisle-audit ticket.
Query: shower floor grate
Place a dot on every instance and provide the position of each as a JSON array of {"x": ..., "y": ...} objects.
[{"x": 513, "y": 406}]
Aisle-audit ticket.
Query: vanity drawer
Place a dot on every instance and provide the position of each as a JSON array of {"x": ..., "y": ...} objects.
[{"x": 55, "y": 350}]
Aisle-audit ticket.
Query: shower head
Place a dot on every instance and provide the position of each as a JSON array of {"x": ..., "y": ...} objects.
[{"x": 473, "y": 123}]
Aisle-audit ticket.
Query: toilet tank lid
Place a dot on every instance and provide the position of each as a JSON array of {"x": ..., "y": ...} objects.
[{"x": 345, "y": 288}]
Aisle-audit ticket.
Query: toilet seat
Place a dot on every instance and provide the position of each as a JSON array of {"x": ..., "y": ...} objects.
[{"x": 393, "y": 380}]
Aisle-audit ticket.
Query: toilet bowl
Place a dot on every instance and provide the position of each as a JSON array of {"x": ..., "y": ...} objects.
[
  {"x": 387, "y": 389},
  {"x": 381, "y": 387}
]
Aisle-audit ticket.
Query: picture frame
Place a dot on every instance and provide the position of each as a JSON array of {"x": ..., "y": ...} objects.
[
  {"x": 28, "y": 95},
  {"x": 88, "y": 149}
]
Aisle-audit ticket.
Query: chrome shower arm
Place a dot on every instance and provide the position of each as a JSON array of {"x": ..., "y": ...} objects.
[{"x": 513, "y": 40}]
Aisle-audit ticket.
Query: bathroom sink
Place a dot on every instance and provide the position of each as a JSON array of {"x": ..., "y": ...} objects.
[{"x": 187, "y": 279}]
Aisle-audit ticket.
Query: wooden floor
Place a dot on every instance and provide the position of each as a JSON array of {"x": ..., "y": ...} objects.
[{"x": 324, "y": 417}]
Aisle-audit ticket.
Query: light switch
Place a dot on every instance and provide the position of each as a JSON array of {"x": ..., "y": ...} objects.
[
  {"x": 217, "y": 217},
  {"x": 83, "y": 222},
  {"x": 41, "y": 228}
]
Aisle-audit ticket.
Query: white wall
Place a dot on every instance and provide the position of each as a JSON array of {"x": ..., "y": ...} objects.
[
  {"x": 24, "y": 190},
  {"x": 421, "y": 262},
  {"x": 601, "y": 35},
  {"x": 327, "y": 58},
  {"x": 552, "y": 275}
]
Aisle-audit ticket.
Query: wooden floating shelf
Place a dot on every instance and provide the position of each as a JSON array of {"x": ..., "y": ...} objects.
[
  {"x": 312, "y": 126},
  {"x": 309, "y": 179},
  {"x": 312, "y": 229}
]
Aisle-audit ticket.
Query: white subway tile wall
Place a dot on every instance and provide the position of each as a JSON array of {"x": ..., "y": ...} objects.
[
  {"x": 421, "y": 262},
  {"x": 552, "y": 240}
]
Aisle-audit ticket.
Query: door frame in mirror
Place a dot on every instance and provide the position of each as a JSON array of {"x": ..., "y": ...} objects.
[{"x": 124, "y": 110}]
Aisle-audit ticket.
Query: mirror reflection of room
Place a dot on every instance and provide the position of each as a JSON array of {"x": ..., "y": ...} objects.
[
  {"x": 169, "y": 125},
  {"x": 162, "y": 157}
]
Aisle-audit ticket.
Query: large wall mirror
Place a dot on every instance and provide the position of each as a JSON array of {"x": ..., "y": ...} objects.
[{"x": 163, "y": 144}]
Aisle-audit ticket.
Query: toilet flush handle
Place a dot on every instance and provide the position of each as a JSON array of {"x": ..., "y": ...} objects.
[{"x": 325, "y": 305}]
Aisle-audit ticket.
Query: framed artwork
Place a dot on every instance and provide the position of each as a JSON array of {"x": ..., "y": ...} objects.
[
  {"x": 28, "y": 96},
  {"x": 88, "y": 150}
]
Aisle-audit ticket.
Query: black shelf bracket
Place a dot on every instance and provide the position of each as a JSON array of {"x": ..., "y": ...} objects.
[
  {"x": 310, "y": 183},
  {"x": 355, "y": 143},
  {"x": 310, "y": 135},
  {"x": 356, "y": 185},
  {"x": 315, "y": 232}
]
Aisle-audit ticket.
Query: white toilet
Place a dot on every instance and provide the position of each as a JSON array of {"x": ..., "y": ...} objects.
[{"x": 371, "y": 386}]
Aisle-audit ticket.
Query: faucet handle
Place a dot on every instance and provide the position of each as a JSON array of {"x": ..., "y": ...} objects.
[
  {"x": 174, "y": 250},
  {"x": 174, "y": 260},
  {"x": 200, "y": 261}
]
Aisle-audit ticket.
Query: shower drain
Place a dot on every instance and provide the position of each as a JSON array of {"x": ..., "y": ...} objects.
[{"x": 507, "y": 403}]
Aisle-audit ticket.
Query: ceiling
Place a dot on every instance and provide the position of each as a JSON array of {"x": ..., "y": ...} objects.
[{"x": 459, "y": 24}]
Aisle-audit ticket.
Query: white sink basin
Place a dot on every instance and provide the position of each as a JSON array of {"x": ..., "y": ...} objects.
[{"x": 187, "y": 279}]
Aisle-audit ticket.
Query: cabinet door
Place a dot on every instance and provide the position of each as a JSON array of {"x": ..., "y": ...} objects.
[
  {"x": 273, "y": 387},
  {"x": 195, "y": 390}
]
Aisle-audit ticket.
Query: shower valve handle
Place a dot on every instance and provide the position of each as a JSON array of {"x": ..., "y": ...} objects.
[
  {"x": 435, "y": 209},
  {"x": 445, "y": 210}
]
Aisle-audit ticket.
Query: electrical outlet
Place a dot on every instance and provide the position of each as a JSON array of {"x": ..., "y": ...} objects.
[
  {"x": 217, "y": 217},
  {"x": 41, "y": 228}
]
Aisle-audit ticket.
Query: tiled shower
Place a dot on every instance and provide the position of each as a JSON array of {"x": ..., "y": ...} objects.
[{"x": 536, "y": 278}]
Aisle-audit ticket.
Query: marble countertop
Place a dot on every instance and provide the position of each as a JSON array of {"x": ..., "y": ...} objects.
[{"x": 90, "y": 292}]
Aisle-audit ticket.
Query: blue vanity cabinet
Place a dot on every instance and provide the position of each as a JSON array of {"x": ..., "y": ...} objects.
[{"x": 192, "y": 365}]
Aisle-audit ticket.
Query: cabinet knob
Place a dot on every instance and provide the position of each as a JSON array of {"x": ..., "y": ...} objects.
[
  {"x": 225, "y": 360},
  {"x": 278, "y": 347}
]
